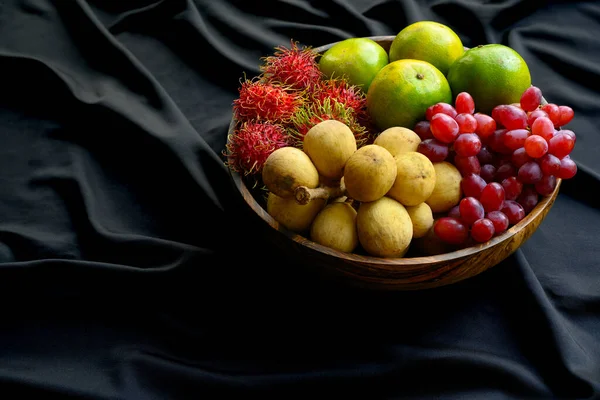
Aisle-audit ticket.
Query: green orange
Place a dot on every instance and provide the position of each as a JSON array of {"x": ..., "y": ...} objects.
[
  {"x": 401, "y": 92},
  {"x": 429, "y": 41},
  {"x": 492, "y": 74},
  {"x": 356, "y": 59}
]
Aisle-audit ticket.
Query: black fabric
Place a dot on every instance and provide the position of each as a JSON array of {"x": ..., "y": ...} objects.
[{"x": 130, "y": 268}]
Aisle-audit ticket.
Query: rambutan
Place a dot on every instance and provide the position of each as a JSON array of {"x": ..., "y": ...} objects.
[
  {"x": 340, "y": 90},
  {"x": 264, "y": 101},
  {"x": 295, "y": 66},
  {"x": 317, "y": 111},
  {"x": 251, "y": 143}
]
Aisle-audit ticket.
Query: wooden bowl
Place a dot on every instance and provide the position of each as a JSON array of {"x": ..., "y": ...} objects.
[{"x": 409, "y": 273}]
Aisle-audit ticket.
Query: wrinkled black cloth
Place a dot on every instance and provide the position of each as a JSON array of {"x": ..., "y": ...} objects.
[{"x": 130, "y": 268}]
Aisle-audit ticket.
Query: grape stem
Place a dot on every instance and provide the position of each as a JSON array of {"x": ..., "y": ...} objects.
[{"x": 305, "y": 195}]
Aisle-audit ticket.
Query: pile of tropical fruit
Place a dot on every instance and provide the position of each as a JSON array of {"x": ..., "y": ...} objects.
[{"x": 370, "y": 150}]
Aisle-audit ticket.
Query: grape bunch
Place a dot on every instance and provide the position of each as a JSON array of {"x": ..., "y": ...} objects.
[{"x": 508, "y": 160}]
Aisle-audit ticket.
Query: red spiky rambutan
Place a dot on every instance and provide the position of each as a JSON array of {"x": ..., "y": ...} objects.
[
  {"x": 251, "y": 143},
  {"x": 264, "y": 101},
  {"x": 295, "y": 66},
  {"x": 318, "y": 111},
  {"x": 343, "y": 92}
]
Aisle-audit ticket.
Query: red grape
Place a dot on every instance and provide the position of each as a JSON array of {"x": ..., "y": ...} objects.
[
  {"x": 515, "y": 138},
  {"x": 543, "y": 127},
  {"x": 530, "y": 172},
  {"x": 566, "y": 115},
  {"x": 471, "y": 210},
  {"x": 472, "y": 185},
  {"x": 444, "y": 127},
  {"x": 467, "y": 144},
  {"x": 482, "y": 230},
  {"x": 553, "y": 113},
  {"x": 500, "y": 221},
  {"x": 496, "y": 142},
  {"x": 536, "y": 146},
  {"x": 451, "y": 230},
  {"x": 464, "y": 103},
  {"x": 550, "y": 164},
  {"x": 570, "y": 133},
  {"x": 467, "y": 165},
  {"x": 510, "y": 116},
  {"x": 440, "y": 108},
  {"x": 512, "y": 188},
  {"x": 492, "y": 196},
  {"x": 531, "y": 98},
  {"x": 514, "y": 211},
  {"x": 561, "y": 145},
  {"x": 546, "y": 185},
  {"x": 422, "y": 129},
  {"x": 496, "y": 111},
  {"x": 466, "y": 123},
  {"x": 486, "y": 156},
  {"x": 454, "y": 212},
  {"x": 488, "y": 172},
  {"x": 528, "y": 198},
  {"x": 504, "y": 171},
  {"x": 433, "y": 149},
  {"x": 520, "y": 157},
  {"x": 568, "y": 168},
  {"x": 486, "y": 125},
  {"x": 535, "y": 114}
]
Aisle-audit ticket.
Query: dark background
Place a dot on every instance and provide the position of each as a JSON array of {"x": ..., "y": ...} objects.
[{"x": 128, "y": 269}]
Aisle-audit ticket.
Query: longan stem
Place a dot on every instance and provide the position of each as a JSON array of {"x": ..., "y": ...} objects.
[{"x": 305, "y": 195}]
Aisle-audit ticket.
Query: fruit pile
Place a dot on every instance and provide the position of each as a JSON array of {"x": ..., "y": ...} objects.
[
  {"x": 506, "y": 160},
  {"x": 368, "y": 150},
  {"x": 343, "y": 195},
  {"x": 276, "y": 108}
]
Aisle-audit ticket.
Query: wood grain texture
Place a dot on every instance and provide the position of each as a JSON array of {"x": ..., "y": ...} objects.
[{"x": 409, "y": 273}]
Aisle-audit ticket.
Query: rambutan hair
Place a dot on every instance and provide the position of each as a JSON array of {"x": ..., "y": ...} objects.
[
  {"x": 317, "y": 111},
  {"x": 340, "y": 90},
  {"x": 295, "y": 66},
  {"x": 266, "y": 101},
  {"x": 249, "y": 145}
]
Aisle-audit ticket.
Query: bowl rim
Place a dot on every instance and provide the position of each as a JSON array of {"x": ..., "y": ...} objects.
[{"x": 387, "y": 262}]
